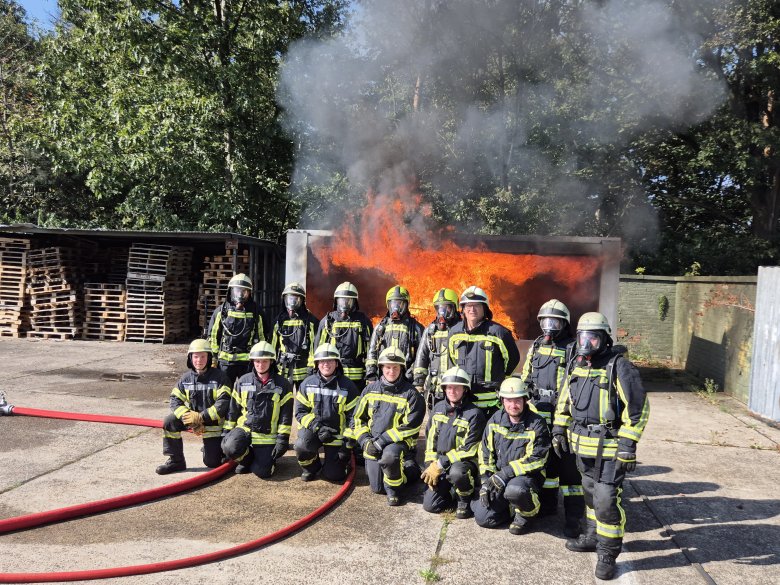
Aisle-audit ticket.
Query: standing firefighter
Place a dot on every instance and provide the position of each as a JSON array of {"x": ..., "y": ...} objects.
[
  {"x": 482, "y": 347},
  {"x": 433, "y": 357},
  {"x": 545, "y": 373},
  {"x": 600, "y": 416},
  {"x": 260, "y": 416},
  {"x": 235, "y": 326},
  {"x": 293, "y": 336},
  {"x": 511, "y": 461},
  {"x": 349, "y": 330},
  {"x": 386, "y": 426},
  {"x": 199, "y": 401},
  {"x": 326, "y": 402},
  {"x": 453, "y": 435},
  {"x": 396, "y": 329}
]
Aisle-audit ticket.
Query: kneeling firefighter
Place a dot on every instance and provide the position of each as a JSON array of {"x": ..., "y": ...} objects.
[
  {"x": 600, "y": 417},
  {"x": 454, "y": 432},
  {"x": 511, "y": 461},
  {"x": 260, "y": 416},
  {"x": 386, "y": 426},
  {"x": 326, "y": 402},
  {"x": 199, "y": 401}
]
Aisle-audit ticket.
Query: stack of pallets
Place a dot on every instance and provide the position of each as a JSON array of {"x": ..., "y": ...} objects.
[
  {"x": 14, "y": 312},
  {"x": 52, "y": 283},
  {"x": 104, "y": 311},
  {"x": 217, "y": 272},
  {"x": 158, "y": 293}
]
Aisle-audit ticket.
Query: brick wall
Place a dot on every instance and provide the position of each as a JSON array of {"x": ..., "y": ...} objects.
[{"x": 707, "y": 330}]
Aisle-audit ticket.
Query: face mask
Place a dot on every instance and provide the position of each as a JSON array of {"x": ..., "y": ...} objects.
[
  {"x": 551, "y": 327},
  {"x": 444, "y": 313},
  {"x": 238, "y": 296},
  {"x": 344, "y": 306},
  {"x": 292, "y": 303},
  {"x": 589, "y": 343},
  {"x": 396, "y": 308}
]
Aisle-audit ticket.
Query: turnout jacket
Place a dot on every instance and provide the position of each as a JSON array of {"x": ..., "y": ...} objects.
[
  {"x": 454, "y": 433},
  {"x": 514, "y": 449},
  {"x": 404, "y": 334},
  {"x": 388, "y": 413},
  {"x": 232, "y": 332},
  {"x": 592, "y": 408},
  {"x": 329, "y": 403},
  {"x": 208, "y": 394},
  {"x": 545, "y": 373},
  {"x": 487, "y": 352},
  {"x": 262, "y": 409},
  {"x": 433, "y": 357},
  {"x": 293, "y": 340},
  {"x": 352, "y": 337}
]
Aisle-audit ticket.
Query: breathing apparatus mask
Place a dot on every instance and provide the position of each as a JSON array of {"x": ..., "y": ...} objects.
[
  {"x": 396, "y": 308},
  {"x": 344, "y": 306},
  {"x": 588, "y": 344},
  {"x": 239, "y": 296},
  {"x": 293, "y": 304},
  {"x": 551, "y": 327},
  {"x": 444, "y": 314}
]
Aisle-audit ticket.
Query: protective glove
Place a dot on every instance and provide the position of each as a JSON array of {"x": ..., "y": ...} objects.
[
  {"x": 372, "y": 449},
  {"x": 371, "y": 374},
  {"x": 432, "y": 473},
  {"x": 496, "y": 484},
  {"x": 194, "y": 420},
  {"x": 326, "y": 434},
  {"x": 626, "y": 455},
  {"x": 279, "y": 449},
  {"x": 560, "y": 443},
  {"x": 344, "y": 454},
  {"x": 420, "y": 389},
  {"x": 484, "y": 495}
]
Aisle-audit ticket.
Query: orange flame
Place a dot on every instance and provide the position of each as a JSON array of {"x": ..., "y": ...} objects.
[{"x": 390, "y": 243}]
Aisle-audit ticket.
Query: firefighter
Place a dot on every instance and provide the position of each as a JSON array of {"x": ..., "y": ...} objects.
[
  {"x": 199, "y": 401},
  {"x": 433, "y": 357},
  {"x": 482, "y": 347},
  {"x": 511, "y": 460},
  {"x": 452, "y": 439},
  {"x": 260, "y": 417},
  {"x": 348, "y": 328},
  {"x": 234, "y": 327},
  {"x": 600, "y": 416},
  {"x": 386, "y": 426},
  {"x": 293, "y": 336},
  {"x": 545, "y": 372},
  {"x": 396, "y": 329},
  {"x": 326, "y": 402}
]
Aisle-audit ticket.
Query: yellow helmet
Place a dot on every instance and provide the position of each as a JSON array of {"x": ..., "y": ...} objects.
[
  {"x": 513, "y": 388},
  {"x": 398, "y": 292},
  {"x": 327, "y": 351},
  {"x": 196, "y": 346},
  {"x": 392, "y": 355},
  {"x": 445, "y": 295},
  {"x": 397, "y": 301},
  {"x": 262, "y": 351}
]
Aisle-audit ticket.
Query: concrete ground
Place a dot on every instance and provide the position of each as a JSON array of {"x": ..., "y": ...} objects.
[{"x": 702, "y": 506}]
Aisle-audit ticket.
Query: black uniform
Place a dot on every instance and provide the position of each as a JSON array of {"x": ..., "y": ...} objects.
[
  {"x": 602, "y": 418},
  {"x": 545, "y": 373},
  {"x": 208, "y": 394},
  {"x": 433, "y": 359},
  {"x": 294, "y": 342},
  {"x": 351, "y": 336},
  {"x": 390, "y": 415},
  {"x": 487, "y": 352},
  {"x": 453, "y": 436},
  {"x": 232, "y": 332},
  {"x": 519, "y": 452},
  {"x": 325, "y": 403},
  {"x": 404, "y": 334},
  {"x": 259, "y": 422}
]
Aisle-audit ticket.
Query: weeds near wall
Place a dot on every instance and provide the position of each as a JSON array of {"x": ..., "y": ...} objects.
[{"x": 663, "y": 307}]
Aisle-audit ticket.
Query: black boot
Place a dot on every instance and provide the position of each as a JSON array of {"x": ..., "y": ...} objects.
[
  {"x": 173, "y": 464},
  {"x": 519, "y": 524},
  {"x": 463, "y": 510},
  {"x": 605, "y": 567},
  {"x": 583, "y": 543}
]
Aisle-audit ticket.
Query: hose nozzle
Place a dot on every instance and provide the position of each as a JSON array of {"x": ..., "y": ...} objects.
[{"x": 5, "y": 408}]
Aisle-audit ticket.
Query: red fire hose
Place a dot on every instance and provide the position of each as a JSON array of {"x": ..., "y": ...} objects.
[{"x": 112, "y": 503}]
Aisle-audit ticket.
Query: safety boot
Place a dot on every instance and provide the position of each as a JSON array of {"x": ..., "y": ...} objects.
[
  {"x": 605, "y": 567},
  {"x": 463, "y": 510},
  {"x": 307, "y": 475},
  {"x": 172, "y": 465},
  {"x": 571, "y": 529},
  {"x": 241, "y": 469},
  {"x": 583, "y": 543},
  {"x": 393, "y": 500},
  {"x": 519, "y": 524}
]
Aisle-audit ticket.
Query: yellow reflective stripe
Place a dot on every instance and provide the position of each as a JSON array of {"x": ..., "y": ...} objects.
[
  {"x": 394, "y": 435},
  {"x": 572, "y": 490},
  {"x": 628, "y": 429},
  {"x": 179, "y": 394},
  {"x": 284, "y": 429},
  {"x": 233, "y": 357},
  {"x": 171, "y": 434},
  {"x": 588, "y": 446},
  {"x": 590, "y": 513},
  {"x": 562, "y": 417},
  {"x": 307, "y": 419},
  {"x": 488, "y": 366},
  {"x": 262, "y": 439},
  {"x": 305, "y": 462},
  {"x": 550, "y": 483},
  {"x": 213, "y": 334},
  {"x": 179, "y": 411},
  {"x": 212, "y": 434},
  {"x": 229, "y": 425},
  {"x": 534, "y": 511}
]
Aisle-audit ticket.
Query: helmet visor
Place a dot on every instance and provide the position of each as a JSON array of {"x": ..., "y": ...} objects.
[
  {"x": 589, "y": 342},
  {"x": 396, "y": 307},
  {"x": 344, "y": 305},
  {"x": 551, "y": 324},
  {"x": 239, "y": 294},
  {"x": 445, "y": 311},
  {"x": 292, "y": 302}
]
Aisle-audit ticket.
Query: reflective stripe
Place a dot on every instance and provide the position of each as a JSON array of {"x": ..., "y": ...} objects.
[
  {"x": 590, "y": 513},
  {"x": 534, "y": 511},
  {"x": 305, "y": 462},
  {"x": 551, "y": 483},
  {"x": 171, "y": 434},
  {"x": 588, "y": 446},
  {"x": 572, "y": 490}
]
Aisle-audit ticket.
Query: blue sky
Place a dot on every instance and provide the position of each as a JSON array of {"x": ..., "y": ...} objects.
[{"x": 41, "y": 11}]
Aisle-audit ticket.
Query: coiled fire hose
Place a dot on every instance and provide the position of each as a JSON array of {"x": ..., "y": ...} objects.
[{"x": 61, "y": 514}]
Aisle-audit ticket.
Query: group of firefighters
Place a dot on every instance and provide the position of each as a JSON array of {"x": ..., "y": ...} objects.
[{"x": 498, "y": 447}]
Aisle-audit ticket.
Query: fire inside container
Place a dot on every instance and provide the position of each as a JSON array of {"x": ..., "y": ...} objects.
[{"x": 519, "y": 273}]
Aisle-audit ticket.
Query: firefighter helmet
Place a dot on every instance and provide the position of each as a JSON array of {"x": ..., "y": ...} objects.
[
  {"x": 392, "y": 355},
  {"x": 346, "y": 290},
  {"x": 262, "y": 351},
  {"x": 445, "y": 295},
  {"x": 397, "y": 301},
  {"x": 196, "y": 346},
  {"x": 474, "y": 294},
  {"x": 345, "y": 298},
  {"x": 594, "y": 322},
  {"x": 398, "y": 293},
  {"x": 593, "y": 334},
  {"x": 456, "y": 376},
  {"x": 294, "y": 288},
  {"x": 555, "y": 309},
  {"x": 513, "y": 388},
  {"x": 240, "y": 281},
  {"x": 327, "y": 351}
]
